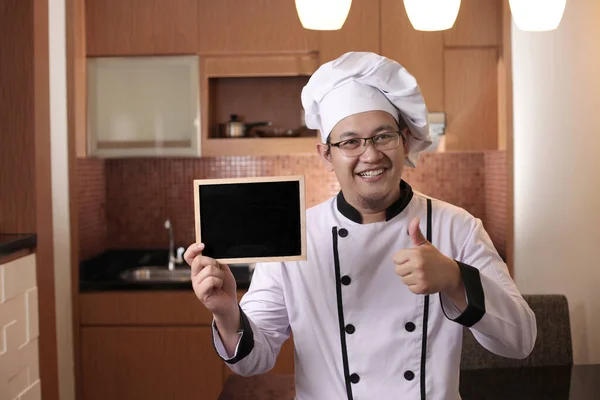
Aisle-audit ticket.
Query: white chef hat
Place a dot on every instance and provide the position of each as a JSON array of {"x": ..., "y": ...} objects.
[{"x": 360, "y": 81}]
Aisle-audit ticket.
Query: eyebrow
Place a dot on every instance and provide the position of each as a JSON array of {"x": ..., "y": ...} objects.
[{"x": 375, "y": 131}]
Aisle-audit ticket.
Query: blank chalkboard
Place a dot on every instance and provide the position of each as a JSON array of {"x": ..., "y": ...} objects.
[{"x": 245, "y": 220}]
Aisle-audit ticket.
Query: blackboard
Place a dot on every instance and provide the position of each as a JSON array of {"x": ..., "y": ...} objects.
[{"x": 246, "y": 220}]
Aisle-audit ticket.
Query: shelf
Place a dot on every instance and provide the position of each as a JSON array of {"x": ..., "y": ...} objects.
[{"x": 259, "y": 146}]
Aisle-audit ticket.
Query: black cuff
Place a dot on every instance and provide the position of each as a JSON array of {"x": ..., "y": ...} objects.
[
  {"x": 246, "y": 341},
  {"x": 475, "y": 297}
]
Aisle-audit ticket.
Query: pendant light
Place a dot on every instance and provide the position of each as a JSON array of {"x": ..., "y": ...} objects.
[
  {"x": 323, "y": 15},
  {"x": 537, "y": 15},
  {"x": 432, "y": 15}
]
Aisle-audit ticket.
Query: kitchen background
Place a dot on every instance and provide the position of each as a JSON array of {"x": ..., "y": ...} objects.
[{"x": 177, "y": 69}]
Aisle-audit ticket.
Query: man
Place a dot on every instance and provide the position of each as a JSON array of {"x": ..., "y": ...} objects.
[{"x": 378, "y": 309}]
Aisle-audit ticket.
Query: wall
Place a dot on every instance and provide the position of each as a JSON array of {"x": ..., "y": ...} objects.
[
  {"x": 556, "y": 166},
  {"x": 495, "y": 181},
  {"x": 139, "y": 194},
  {"x": 19, "y": 331},
  {"x": 60, "y": 197}
]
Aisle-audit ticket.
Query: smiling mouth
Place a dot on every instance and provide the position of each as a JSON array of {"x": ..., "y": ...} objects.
[{"x": 372, "y": 173}]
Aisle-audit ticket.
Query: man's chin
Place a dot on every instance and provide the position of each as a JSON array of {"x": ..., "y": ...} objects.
[{"x": 373, "y": 202}]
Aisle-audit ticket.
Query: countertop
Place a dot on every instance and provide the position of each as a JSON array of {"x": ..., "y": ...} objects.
[
  {"x": 580, "y": 382},
  {"x": 102, "y": 272},
  {"x": 12, "y": 242}
]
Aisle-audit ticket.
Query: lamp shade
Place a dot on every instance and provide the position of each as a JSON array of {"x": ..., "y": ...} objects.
[
  {"x": 537, "y": 15},
  {"x": 323, "y": 15},
  {"x": 432, "y": 15}
]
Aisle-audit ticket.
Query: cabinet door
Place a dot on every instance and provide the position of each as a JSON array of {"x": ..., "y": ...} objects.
[
  {"x": 143, "y": 106},
  {"x": 421, "y": 53},
  {"x": 226, "y": 26},
  {"x": 359, "y": 33},
  {"x": 131, "y": 363},
  {"x": 471, "y": 99},
  {"x": 478, "y": 24},
  {"x": 128, "y": 27}
]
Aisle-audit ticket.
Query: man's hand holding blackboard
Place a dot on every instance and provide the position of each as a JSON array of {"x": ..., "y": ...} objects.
[{"x": 215, "y": 287}]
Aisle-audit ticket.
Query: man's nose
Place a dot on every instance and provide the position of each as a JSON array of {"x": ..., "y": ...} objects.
[{"x": 371, "y": 152}]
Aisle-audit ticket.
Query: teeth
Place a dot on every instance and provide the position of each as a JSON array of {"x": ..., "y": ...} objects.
[{"x": 370, "y": 174}]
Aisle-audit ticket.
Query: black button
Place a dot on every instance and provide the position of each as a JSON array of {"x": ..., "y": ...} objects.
[
  {"x": 343, "y": 232},
  {"x": 350, "y": 329},
  {"x": 409, "y": 326},
  {"x": 409, "y": 375},
  {"x": 354, "y": 378},
  {"x": 345, "y": 280}
]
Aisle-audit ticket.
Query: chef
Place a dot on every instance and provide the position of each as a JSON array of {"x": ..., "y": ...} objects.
[{"x": 392, "y": 275}]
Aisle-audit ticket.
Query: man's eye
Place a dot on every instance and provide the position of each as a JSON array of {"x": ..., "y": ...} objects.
[
  {"x": 385, "y": 136},
  {"x": 350, "y": 143}
]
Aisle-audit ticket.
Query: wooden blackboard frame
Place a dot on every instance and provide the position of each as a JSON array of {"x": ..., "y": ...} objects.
[{"x": 250, "y": 181}]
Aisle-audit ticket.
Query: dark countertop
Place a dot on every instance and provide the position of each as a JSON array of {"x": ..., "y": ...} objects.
[
  {"x": 580, "y": 382},
  {"x": 12, "y": 242},
  {"x": 101, "y": 273}
]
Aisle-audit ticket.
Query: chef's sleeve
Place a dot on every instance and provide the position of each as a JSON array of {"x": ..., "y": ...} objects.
[
  {"x": 264, "y": 324},
  {"x": 496, "y": 313}
]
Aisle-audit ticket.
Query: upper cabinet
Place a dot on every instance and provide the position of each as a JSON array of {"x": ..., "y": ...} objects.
[
  {"x": 421, "y": 53},
  {"x": 359, "y": 33},
  {"x": 226, "y": 26},
  {"x": 478, "y": 24},
  {"x": 141, "y": 27},
  {"x": 143, "y": 106}
]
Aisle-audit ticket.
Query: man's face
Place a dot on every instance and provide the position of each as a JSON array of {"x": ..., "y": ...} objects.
[{"x": 369, "y": 181}]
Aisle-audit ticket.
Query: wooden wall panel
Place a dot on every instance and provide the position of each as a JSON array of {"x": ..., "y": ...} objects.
[
  {"x": 421, "y": 53},
  {"x": 478, "y": 24},
  {"x": 359, "y": 33},
  {"x": 252, "y": 26},
  {"x": 77, "y": 84},
  {"x": 125, "y": 27},
  {"x": 471, "y": 98},
  {"x": 17, "y": 150}
]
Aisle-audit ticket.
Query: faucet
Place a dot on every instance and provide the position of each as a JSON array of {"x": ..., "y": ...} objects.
[{"x": 172, "y": 259}]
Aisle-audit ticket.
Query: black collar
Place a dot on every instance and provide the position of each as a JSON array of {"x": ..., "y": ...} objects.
[{"x": 394, "y": 209}]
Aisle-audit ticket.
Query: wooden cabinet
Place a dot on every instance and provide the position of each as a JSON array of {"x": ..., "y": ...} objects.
[
  {"x": 421, "y": 53},
  {"x": 141, "y": 362},
  {"x": 359, "y": 33},
  {"x": 135, "y": 27},
  {"x": 143, "y": 106},
  {"x": 226, "y": 26},
  {"x": 152, "y": 345},
  {"x": 471, "y": 97},
  {"x": 478, "y": 24}
]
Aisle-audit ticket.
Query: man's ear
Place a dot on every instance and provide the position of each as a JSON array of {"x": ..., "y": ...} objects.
[
  {"x": 405, "y": 133},
  {"x": 325, "y": 153}
]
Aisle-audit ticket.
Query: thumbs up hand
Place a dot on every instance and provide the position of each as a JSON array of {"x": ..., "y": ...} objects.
[{"x": 425, "y": 270}]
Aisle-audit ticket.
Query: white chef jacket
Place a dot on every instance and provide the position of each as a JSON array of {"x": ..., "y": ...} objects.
[{"x": 359, "y": 333}]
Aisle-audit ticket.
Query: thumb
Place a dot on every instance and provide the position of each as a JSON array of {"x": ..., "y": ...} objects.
[{"x": 415, "y": 233}]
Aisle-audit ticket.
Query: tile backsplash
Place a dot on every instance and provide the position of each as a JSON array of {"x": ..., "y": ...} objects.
[{"x": 123, "y": 203}]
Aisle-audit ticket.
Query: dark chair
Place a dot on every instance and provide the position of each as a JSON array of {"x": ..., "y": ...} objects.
[{"x": 553, "y": 344}]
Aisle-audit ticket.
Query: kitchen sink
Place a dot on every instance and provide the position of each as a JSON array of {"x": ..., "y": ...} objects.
[{"x": 156, "y": 274}]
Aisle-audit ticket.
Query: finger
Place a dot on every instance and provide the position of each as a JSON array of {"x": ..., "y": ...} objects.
[
  {"x": 210, "y": 270},
  {"x": 401, "y": 257},
  {"x": 415, "y": 233},
  {"x": 409, "y": 280},
  {"x": 200, "y": 262},
  {"x": 403, "y": 270},
  {"x": 208, "y": 285},
  {"x": 192, "y": 251}
]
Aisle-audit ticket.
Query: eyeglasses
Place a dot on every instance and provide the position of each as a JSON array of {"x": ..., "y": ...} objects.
[{"x": 356, "y": 146}]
